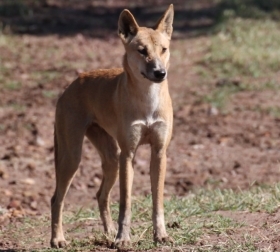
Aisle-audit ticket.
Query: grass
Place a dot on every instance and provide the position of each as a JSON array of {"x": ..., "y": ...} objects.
[
  {"x": 196, "y": 223},
  {"x": 242, "y": 49},
  {"x": 250, "y": 8},
  {"x": 12, "y": 85},
  {"x": 272, "y": 111},
  {"x": 221, "y": 95}
]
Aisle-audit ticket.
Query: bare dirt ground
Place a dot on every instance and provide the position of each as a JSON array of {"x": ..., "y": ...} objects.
[{"x": 235, "y": 150}]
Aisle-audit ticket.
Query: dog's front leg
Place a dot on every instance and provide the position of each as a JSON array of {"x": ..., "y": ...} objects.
[
  {"x": 126, "y": 177},
  {"x": 157, "y": 173}
]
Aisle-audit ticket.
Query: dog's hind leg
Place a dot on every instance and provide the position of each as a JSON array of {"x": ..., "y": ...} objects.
[
  {"x": 68, "y": 146},
  {"x": 109, "y": 153}
]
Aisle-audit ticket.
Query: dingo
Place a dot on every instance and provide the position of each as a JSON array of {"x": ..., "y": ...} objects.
[{"x": 118, "y": 110}]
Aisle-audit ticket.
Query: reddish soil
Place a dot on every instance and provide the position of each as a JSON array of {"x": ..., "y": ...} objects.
[{"x": 208, "y": 149}]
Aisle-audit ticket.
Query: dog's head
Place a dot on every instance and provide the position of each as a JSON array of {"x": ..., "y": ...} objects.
[{"x": 147, "y": 49}]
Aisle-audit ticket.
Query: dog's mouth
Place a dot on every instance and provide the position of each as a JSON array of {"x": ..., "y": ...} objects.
[{"x": 156, "y": 80}]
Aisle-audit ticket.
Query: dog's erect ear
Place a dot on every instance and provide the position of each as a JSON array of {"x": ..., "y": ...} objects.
[
  {"x": 128, "y": 26},
  {"x": 164, "y": 24}
]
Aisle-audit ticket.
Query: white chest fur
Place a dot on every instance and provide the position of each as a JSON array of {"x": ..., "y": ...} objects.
[{"x": 149, "y": 104}]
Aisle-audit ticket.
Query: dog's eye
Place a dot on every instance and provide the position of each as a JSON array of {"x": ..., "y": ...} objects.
[
  {"x": 164, "y": 50},
  {"x": 143, "y": 51}
]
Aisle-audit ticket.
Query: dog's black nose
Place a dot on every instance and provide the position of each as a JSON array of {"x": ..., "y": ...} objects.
[{"x": 160, "y": 74}]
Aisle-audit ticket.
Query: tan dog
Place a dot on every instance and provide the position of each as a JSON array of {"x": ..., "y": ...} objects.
[{"x": 118, "y": 110}]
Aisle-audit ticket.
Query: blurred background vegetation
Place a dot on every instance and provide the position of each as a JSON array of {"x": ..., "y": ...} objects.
[
  {"x": 68, "y": 16},
  {"x": 251, "y": 8}
]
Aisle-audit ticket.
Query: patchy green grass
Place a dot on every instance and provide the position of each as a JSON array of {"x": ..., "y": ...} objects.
[
  {"x": 251, "y": 8},
  {"x": 20, "y": 67},
  {"x": 272, "y": 111},
  {"x": 222, "y": 94},
  {"x": 45, "y": 76},
  {"x": 191, "y": 218},
  {"x": 244, "y": 47},
  {"x": 244, "y": 55},
  {"x": 219, "y": 97},
  {"x": 195, "y": 222},
  {"x": 12, "y": 85},
  {"x": 49, "y": 94},
  {"x": 19, "y": 107}
]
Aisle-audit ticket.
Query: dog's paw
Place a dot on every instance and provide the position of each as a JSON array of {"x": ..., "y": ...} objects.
[
  {"x": 163, "y": 240},
  {"x": 58, "y": 243},
  {"x": 122, "y": 244}
]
